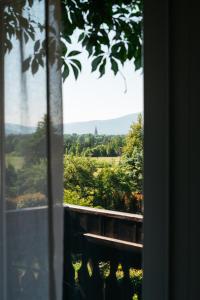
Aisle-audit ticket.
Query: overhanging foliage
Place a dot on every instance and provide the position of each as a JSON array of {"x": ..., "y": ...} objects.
[{"x": 110, "y": 31}]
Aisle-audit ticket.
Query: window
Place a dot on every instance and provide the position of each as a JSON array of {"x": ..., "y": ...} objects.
[
  {"x": 103, "y": 147},
  {"x": 171, "y": 221},
  {"x": 31, "y": 198}
]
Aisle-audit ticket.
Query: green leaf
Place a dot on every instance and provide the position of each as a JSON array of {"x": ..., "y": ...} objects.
[
  {"x": 34, "y": 66},
  {"x": 26, "y": 64},
  {"x": 32, "y": 35},
  {"x": 122, "y": 11},
  {"x": 115, "y": 48},
  {"x": 81, "y": 37},
  {"x": 104, "y": 40},
  {"x": 40, "y": 60},
  {"x": 65, "y": 72},
  {"x": 137, "y": 63},
  {"x": 96, "y": 62},
  {"x": 85, "y": 41},
  {"x": 131, "y": 51},
  {"x": 77, "y": 63},
  {"x": 24, "y": 22},
  {"x": 75, "y": 70},
  {"x": 26, "y": 38},
  {"x": 30, "y": 2},
  {"x": 67, "y": 38},
  {"x": 89, "y": 49},
  {"x": 37, "y": 45},
  {"x": 63, "y": 48},
  {"x": 73, "y": 53},
  {"x": 114, "y": 66},
  {"x": 138, "y": 59},
  {"x": 102, "y": 68}
]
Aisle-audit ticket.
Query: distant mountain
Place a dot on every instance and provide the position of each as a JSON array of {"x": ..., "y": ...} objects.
[
  {"x": 18, "y": 129},
  {"x": 119, "y": 125}
]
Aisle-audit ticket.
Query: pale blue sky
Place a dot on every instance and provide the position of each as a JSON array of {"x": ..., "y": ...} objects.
[
  {"x": 25, "y": 94},
  {"x": 90, "y": 98}
]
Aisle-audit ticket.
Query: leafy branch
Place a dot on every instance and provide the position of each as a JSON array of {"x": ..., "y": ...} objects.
[{"x": 110, "y": 31}]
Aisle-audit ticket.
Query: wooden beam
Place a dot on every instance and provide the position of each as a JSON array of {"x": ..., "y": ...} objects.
[
  {"x": 105, "y": 212},
  {"x": 114, "y": 243}
]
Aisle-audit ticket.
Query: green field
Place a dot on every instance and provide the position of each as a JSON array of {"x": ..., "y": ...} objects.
[
  {"x": 110, "y": 160},
  {"x": 16, "y": 161}
]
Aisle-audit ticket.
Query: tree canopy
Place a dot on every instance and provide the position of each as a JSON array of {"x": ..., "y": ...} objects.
[
  {"x": 107, "y": 182},
  {"x": 110, "y": 31},
  {"x": 133, "y": 156},
  {"x": 103, "y": 183}
]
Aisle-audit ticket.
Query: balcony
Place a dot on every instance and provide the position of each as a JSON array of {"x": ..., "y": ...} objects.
[{"x": 102, "y": 250}]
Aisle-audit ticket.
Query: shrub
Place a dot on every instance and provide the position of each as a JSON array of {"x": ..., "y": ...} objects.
[
  {"x": 30, "y": 200},
  {"x": 73, "y": 197}
]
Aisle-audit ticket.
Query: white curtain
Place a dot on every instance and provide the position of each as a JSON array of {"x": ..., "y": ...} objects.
[{"x": 31, "y": 214}]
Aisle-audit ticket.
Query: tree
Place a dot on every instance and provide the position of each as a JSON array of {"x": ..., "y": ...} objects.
[
  {"x": 78, "y": 174},
  {"x": 112, "y": 183},
  {"x": 32, "y": 178},
  {"x": 133, "y": 155},
  {"x": 35, "y": 145},
  {"x": 110, "y": 31},
  {"x": 89, "y": 182},
  {"x": 96, "y": 131},
  {"x": 11, "y": 177}
]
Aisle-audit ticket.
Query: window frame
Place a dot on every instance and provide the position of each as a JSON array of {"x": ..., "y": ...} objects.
[{"x": 156, "y": 151}]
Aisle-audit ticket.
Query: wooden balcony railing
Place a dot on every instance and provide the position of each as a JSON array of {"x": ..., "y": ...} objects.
[{"x": 102, "y": 250}]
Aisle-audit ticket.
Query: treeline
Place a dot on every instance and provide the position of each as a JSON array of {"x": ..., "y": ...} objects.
[
  {"x": 15, "y": 143},
  {"x": 26, "y": 168},
  {"x": 104, "y": 184},
  {"x": 96, "y": 182},
  {"x": 92, "y": 145}
]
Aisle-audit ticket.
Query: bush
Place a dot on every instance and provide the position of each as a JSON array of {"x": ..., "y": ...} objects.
[
  {"x": 73, "y": 197},
  {"x": 33, "y": 178},
  {"x": 29, "y": 200},
  {"x": 88, "y": 182}
]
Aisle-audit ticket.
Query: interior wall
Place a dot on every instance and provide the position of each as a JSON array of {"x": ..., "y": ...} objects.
[
  {"x": 156, "y": 150},
  {"x": 172, "y": 164}
]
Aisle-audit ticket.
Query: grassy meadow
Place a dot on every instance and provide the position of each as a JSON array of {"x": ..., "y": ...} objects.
[
  {"x": 111, "y": 160},
  {"x": 14, "y": 160}
]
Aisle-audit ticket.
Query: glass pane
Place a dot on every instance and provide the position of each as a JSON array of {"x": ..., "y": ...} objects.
[
  {"x": 32, "y": 123},
  {"x": 103, "y": 149},
  {"x": 26, "y": 153}
]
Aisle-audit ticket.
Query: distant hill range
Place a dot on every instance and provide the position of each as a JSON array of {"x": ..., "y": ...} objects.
[
  {"x": 18, "y": 129},
  {"x": 115, "y": 126}
]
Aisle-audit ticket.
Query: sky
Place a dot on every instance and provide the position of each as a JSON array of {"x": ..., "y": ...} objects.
[
  {"x": 25, "y": 94},
  {"x": 91, "y": 98},
  {"x": 88, "y": 98}
]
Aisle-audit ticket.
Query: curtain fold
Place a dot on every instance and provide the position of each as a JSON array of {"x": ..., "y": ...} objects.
[{"x": 31, "y": 212}]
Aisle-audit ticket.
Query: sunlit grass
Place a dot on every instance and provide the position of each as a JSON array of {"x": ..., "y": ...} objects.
[
  {"x": 112, "y": 160},
  {"x": 16, "y": 161}
]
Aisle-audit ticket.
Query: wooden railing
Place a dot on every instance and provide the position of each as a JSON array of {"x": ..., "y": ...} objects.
[{"x": 102, "y": 250}]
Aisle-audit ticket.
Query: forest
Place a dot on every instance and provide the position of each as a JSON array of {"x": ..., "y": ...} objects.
[
  {"x": 94, "y": 145},
  {"x": 99, "y": 170}
]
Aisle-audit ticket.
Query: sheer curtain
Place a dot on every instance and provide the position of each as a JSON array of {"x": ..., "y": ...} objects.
[{"x": 31, "y": 214}]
